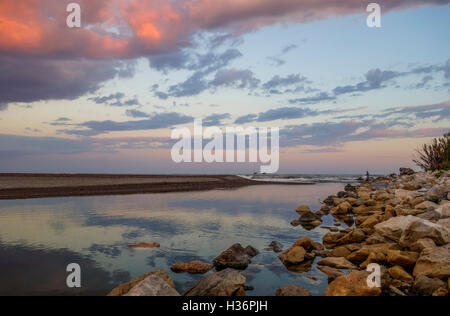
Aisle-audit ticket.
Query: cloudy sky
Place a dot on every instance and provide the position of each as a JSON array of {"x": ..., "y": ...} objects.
[{"x": 105, "y": 97}]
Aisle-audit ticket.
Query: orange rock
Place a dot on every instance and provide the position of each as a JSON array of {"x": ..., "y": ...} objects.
[
  {"x": 354, "y": 284},
  {"x": 304, "y": 242},
  {"x": 399, "y": 273},
  {"x": 126, "y": 287},
  {"x": 145, "y": 245},
  {"x": 194, "y": 267},
  {"x": 293, "y": 256}
]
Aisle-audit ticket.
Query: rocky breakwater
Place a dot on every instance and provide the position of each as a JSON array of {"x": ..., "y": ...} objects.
[{"x": 401, "y": 222}]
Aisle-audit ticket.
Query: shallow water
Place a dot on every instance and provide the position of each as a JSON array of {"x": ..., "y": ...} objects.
[{"x": 39, "y": 238}]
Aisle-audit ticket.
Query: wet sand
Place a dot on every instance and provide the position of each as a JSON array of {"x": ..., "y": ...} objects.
[{"x": 28, "y": 186}]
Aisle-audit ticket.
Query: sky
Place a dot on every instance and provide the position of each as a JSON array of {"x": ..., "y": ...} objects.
[{"x": 104, "y": 98}]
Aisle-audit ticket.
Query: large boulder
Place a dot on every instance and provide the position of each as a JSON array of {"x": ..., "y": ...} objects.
[
  {"x": 406, "y": 194},
  {"x": 427, "y": 205},
  {"x": 398, "y": 273},
  {"x": 292, "y": 290},
  {"x": 275, "y": 246},
  {"x": 193, "y": 267},
  {"x": 354, "y": 284},
  {"x": 408, "y": 229},
  {"x": 444, "y": 211},
  {"x": 303, "y": 209},
  {"x": 306, "y": 243},
  {"x": 404, "y": 259},
  {"x": 394, "y": 227},
  {"x": 123, "y": 289},
  {"x": 331, "y": 240},
  {"x": 436, "y": 193},
  {"x": 308, "y": 217},
  {"x": 425, "y": 286},
  {"x": 338, "y": 263},
  {"x": 341, "y": 251},
  {"x": 422, "y": 244},
  {"x": 355, "y": 236},
  {"x": 434, "y": 262},
  {"x": 152, "y": 286},
  {"x": 444, "y": 223},
  {"x": 331, "y": 272},
  {"x": 362, "y": 254},
  {"x": 406, "y": 172},
  {"x": 342, "y": 209},
  {"x": 235, "y": 257},
  {"x": 421, "y": 228},
  {"x": 227, "y": 282},
  {"x": 293, "y": 256}
]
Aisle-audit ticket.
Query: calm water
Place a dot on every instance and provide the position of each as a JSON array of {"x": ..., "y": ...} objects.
[{"x": 39, "y": 238}]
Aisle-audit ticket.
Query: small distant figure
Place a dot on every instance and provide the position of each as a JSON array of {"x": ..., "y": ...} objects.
[{"x": 367, "y": 176}]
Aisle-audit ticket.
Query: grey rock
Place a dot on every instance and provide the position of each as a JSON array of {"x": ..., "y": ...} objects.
[
  {"x": 427, "y": 286},
  {"x": 275, "y": 246},
  {"x": 292, "y": 290},
  {"x": 235, "y": 257},
  {"x": 152, "y": 286},
  {"x": 406, "y": 172},
  {"x": 228, "y": 282}
]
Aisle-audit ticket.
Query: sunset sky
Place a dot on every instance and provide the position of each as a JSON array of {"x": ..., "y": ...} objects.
[{"x": 104, "y": 98}]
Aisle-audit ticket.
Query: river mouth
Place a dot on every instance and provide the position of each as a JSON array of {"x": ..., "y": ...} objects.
[{"x": 40, "y": 237}]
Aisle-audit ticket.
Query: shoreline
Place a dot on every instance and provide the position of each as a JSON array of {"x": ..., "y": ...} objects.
[
  {"x": 14, "y": 186},
  {"x": 398, "y": 244}
]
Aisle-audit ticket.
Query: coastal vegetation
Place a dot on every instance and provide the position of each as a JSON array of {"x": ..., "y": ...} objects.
[{"x": 436, "y": 155}]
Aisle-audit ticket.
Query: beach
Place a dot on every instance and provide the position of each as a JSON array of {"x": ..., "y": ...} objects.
[{"x": 26, "y": 186}]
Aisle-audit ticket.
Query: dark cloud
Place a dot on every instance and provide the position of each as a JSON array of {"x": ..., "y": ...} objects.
[
  {"x": 161, "y": 95},
  {"x": 320, "y": 97},
  {"x": 187, "y": 60},
  {"x": 439, "y": 111},
  {"x": 278, "y": 81},
  {"x": 277, "y": 60},
  {"x": 136, "y": 114},
  {"x": 62, "y": 121},
  {"x": 289, "y": 113},
  {"x": 25, "y": 79},
  {"x": 375, "y": 79},
  {"x": 446, "y": 69},
  {"x": 16, "y": 146},
  {"x": 320, "y": 134},
  {"x": 106, "y": 99},
  {"x": 194, "y": 85},
  {"x": 115, "y": 99},
  {"x": 336, "y": 134},
  {"x": 235, "y": 78},
  {"x": 246, "y": 119},
  {"x": 154, "y": 121},
  {"x": 171, "y": 61},
  {"x": 423, "y": 82},
  {"x": 215, "y": 119},
  {"x": 202, "y": 66},
  {"x": 289, "y": 48},
  {"x": 379, "y": 79}
]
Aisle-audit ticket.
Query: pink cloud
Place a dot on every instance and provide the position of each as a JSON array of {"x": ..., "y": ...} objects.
[{"x": 134, "y": 28}]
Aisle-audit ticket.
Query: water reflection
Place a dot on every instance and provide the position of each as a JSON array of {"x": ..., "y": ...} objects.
[{"x": 38, "y": 238}]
